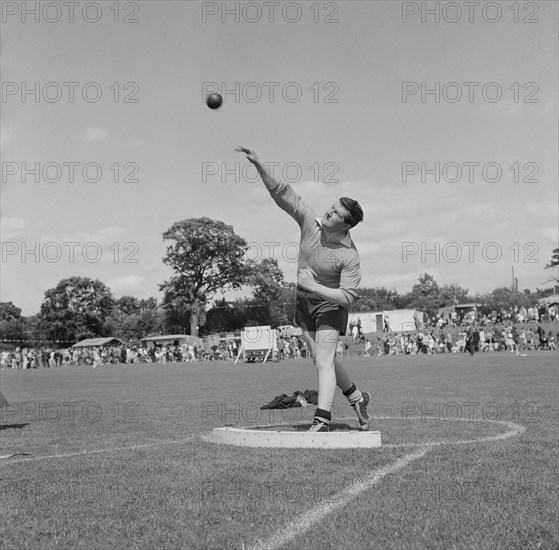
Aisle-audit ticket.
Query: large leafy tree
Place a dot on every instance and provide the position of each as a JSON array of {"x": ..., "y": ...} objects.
[
  {"x": 206, "y": 256},
  {"x": 76, "y": 309},
  {"x": 133, "y": 318}
]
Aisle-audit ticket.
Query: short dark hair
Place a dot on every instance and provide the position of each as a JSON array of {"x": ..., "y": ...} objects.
[{"x": 355, "y": 212}]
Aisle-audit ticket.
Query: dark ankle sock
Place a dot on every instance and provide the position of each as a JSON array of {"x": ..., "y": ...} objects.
[
  {"x": 323, "y": 416},
  {"x": 353, "y": 394}
]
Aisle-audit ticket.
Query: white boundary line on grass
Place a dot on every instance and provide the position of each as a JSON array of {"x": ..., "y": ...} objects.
[
  {"x": 513, "y": 429},
  {"x": 307, "y": 520},
  {"x": 304, "y": 522},
  {"x": 100, "y": 451}
]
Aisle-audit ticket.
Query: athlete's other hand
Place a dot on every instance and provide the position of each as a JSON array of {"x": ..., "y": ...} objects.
[
  {"x": 250, "y": 154},
  {"x": 305, "y": 279}
]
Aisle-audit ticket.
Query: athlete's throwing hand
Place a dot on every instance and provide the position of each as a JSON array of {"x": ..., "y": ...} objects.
[
  {"x": 250, "y": 154},
  {"x": 305, "y": 279}
]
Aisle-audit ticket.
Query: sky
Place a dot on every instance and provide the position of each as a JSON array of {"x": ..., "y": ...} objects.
[{"x": 440, "y": 118}]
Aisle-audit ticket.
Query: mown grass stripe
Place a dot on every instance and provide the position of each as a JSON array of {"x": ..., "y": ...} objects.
[{"x": 302, "y": 524}]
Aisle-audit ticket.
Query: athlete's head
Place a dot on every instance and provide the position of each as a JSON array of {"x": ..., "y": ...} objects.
[
  {"x": 344, "y": 214},
  {"x": 354, "y": 211}
]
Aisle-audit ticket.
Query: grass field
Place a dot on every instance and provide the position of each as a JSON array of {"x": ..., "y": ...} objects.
[{"x": 116, "y": 458}]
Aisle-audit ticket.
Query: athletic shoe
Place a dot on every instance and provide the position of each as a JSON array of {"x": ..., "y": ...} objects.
[
  {"x": 319, "y": 426},
  {"x": 361, "y": 411}
]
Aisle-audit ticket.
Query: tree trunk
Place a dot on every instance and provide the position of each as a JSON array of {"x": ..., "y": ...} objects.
[{"x": 194, "y": 318}]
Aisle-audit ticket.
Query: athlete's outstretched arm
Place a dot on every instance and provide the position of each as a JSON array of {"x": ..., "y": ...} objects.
[
  {"x": 269, "y": 181},
  {"x": 282, "y": 193}
]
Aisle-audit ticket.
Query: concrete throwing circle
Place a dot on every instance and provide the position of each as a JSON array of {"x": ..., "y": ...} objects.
[
  {"x": 297, "y": 438},
  {"x": 246, "y": 437}
]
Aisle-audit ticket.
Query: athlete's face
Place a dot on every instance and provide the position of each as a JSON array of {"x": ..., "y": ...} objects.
[{"x": 334, "y": 218}]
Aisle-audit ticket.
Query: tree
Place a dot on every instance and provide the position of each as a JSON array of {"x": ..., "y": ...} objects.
[
  {"x": 273, "y": 302},
  {"x": 127, "y": 305},
  {"x": 287, "y": 300},
  {"x": 504, "y": 298},
  {"x": 425, "y": 295},
  {"x": 9, "y": 312},
  {"x": 452, "y": 294},
  {"x": 147, "y": 304},
  {"x": 266, "y": 279},
  {"x": 12, "y": 324},
  {"x": 76, "y": 309},
  {"x": 35, "y": 331},
  {"x": 226, "y": 316},
  {"x": 133, "y": 318},
  {"x": 268, "y": 304},
  {"x": 377, "y": 299},
  {"x": 151, "y": 319},
  {"x": 554, "y": 264},
  {"x": 207, "y": 256}
]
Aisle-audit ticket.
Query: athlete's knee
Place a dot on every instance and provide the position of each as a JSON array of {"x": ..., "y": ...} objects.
[{"x": 324, "y": 363}]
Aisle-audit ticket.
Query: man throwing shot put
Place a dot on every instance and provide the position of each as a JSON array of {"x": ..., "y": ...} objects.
[{"x": 327, "y": 279}]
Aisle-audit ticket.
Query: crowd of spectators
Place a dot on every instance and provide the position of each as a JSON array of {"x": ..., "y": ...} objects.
[
  {"x": 28, "y": 358},
  {"x": 293, "y": 347},
  {"x": 475, "y": 338},
  {"x": 511, "y": 315},
  {"x": 513, "y": 329}
]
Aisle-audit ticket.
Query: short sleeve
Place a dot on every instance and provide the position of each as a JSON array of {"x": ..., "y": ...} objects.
[{"x": 350, "y": 276}]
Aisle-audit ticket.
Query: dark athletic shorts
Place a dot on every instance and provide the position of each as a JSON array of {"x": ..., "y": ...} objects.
[{"x": 313, "y": 312}]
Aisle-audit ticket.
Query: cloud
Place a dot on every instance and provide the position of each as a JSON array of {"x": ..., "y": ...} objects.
[
  {"x": 105, "y": 235},
  {"x": 108, "y": 245},
  {"x": 94, "y": 134},
  {"x": 129, "y": 285},
  {"x": 12, "y": 226}
]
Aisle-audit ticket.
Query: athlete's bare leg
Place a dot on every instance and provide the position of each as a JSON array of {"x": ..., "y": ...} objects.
[{"x": 331, "y": 373}]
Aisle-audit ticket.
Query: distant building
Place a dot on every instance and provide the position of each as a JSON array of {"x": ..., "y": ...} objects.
[
  {"x": 99, "y": 342},
  {"x": 398, "y": 320},
  {"x": 459, "y": 311}
]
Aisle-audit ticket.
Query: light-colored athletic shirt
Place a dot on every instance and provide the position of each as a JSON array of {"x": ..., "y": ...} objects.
[{"x": 334, "y": 265}]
